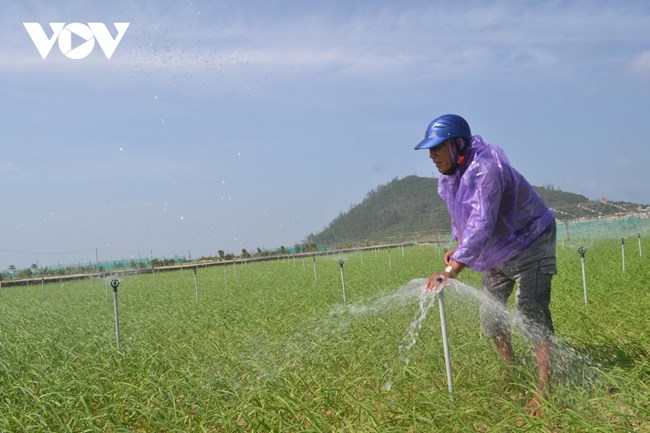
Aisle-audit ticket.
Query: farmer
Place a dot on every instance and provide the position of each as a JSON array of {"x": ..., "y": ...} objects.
[{"x": 503, "y": 229}]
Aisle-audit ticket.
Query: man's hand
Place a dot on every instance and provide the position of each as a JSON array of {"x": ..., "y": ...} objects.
[
  {"x": 448, "y": 255},
  {"x": 437, "y": 281}
]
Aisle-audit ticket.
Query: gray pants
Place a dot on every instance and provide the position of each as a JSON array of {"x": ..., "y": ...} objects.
[{"x": 533, "y": 269}]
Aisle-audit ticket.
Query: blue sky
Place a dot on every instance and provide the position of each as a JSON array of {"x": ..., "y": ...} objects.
[{"x": 230, "y": 125}]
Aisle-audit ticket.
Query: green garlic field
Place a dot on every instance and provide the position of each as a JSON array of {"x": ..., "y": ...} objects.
[{"x": 271, "y": 347}]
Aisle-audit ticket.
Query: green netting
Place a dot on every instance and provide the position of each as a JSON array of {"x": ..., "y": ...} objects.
[
  {"x": 603, "y": 228},
  {"x": 109, "y": 266}
]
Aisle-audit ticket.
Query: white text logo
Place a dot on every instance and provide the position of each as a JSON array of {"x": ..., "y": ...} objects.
[{"x": 88, "y": 33}]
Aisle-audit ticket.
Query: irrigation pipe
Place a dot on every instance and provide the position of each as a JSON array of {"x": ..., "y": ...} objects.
[
  {"x": 582, "y": 252},
  {"x": 445, "y": 340},
  {"x": 342, "y": 281},
  {"x": 196, "y": 283},
  {"x": 623, "y": 252},
  {"x": 114, "y": 285},
  {"x": 390, "y": 264}
]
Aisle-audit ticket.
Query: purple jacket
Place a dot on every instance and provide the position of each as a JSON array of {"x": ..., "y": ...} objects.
[{"x": 495, "y": 213}]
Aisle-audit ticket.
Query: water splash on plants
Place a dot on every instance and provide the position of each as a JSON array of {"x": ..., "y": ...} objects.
[{"x": 569, "y": 365}]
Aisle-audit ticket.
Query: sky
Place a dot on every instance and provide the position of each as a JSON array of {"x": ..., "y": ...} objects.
[{"x": 219, "y": 125}]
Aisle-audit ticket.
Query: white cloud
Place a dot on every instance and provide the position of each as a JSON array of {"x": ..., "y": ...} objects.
[
  {"x": 9, "y": 168},
  {"x": 385, "y": 41},
  {"x": 641, "y": 63}
]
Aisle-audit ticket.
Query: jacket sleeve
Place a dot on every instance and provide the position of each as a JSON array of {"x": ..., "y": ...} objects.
[{"x": 485, "y": 187}]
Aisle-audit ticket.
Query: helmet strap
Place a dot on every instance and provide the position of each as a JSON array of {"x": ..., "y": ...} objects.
[{"x": 457, "y": 155}]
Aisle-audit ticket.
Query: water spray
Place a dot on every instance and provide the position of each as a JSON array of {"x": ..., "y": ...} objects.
[
  {"x": 638, "y": 236},
  {"x": 342, "y": 281},
  {"x": 582, "y": 252},
  {"x": 623, "y": 252},
  {"x": 114, "y": 285},
  {"x": 315, "y": 275},
  {"x": 445, "y": 338},
  {"x": 390, "y": 264},
  {"x": 42, "y": 287}
]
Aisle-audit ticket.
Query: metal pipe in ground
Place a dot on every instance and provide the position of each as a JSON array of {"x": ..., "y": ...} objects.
[
  {"x": 342, "y": 281},
  {"x": 196, "y": 283},
  {"x": 445, "y": 339},
  {"x": 114, "y": 285},
  {"x": 445, "y": 343},
  {"x": 582, "y": 252}
]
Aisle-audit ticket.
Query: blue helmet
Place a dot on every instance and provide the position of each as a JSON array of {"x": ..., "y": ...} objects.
[{"x": 443, "y": 128}]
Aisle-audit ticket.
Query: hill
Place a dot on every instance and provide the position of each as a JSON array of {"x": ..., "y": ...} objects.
[{"x": 410, "y": 209}]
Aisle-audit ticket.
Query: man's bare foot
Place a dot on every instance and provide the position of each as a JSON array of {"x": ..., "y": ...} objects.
[
  {"x": 504, "y": 347},
  {"x": 533, "y": 406},
  {"x": 543, "y": 356}
]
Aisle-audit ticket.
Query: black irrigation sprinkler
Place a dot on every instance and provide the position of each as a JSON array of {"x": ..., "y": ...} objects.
[
  {"x": 114, "y": 284},
  {"x": 196, "y": 282},
  {"x": 623, "y": 252},
  {"x": 342, "y": 281},
  {"x": 582, "y": 252}
]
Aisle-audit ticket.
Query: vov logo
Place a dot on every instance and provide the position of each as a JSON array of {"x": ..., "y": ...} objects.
[{"x": 63, "y": 32}]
